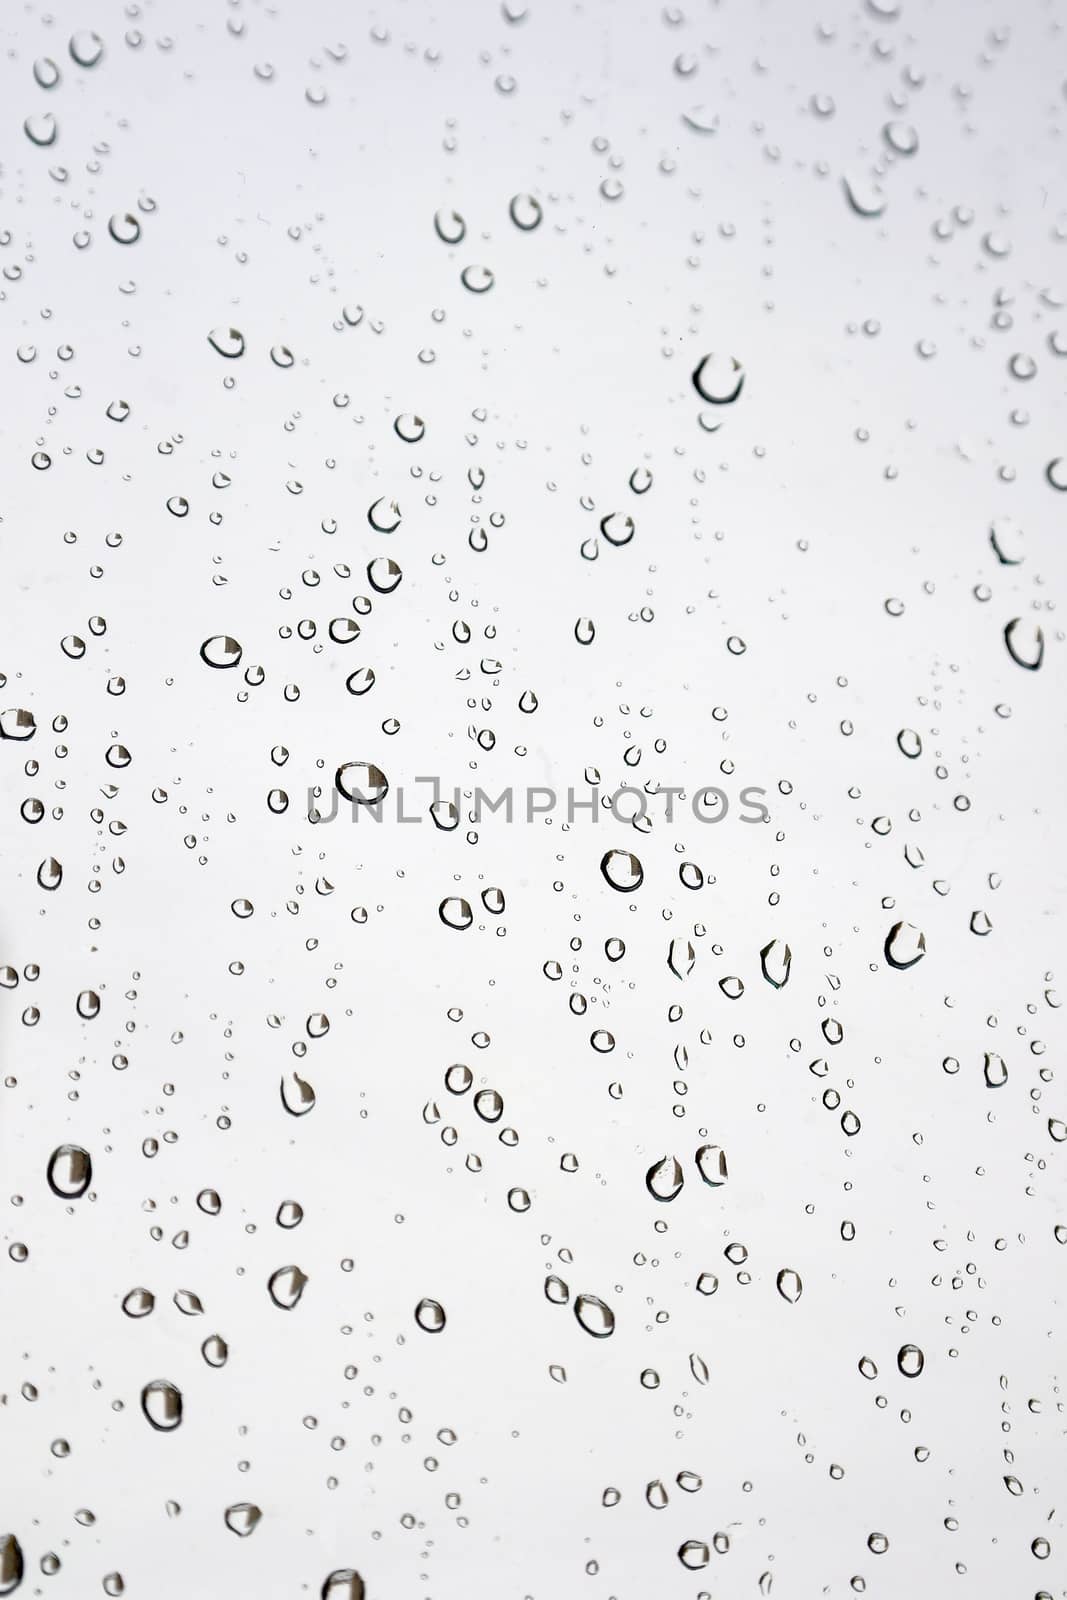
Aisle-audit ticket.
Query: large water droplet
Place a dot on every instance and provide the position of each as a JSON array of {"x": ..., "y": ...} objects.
[
  {"x": 525, "y": 212},
  {"x": 86, "y": 47},
  {"x": 298, "y": 1097},
  {"x": 681, "y": 958},
  {"x": 711, "y": 1164},
  {"x": 228, "y": 342},
  {"x": 904, "y": 945},
  {"x": 161, "y": 1403},
  {"x": 617, "y": 527},
  {"x": 994, "y": 1070},
  {"x": 719, "y": 379},
  {"x": 286, "y": 1286},
  {"x": 1006, "y": 537},
  {"x": 124, "y": 227},
  {"x": 864, "y": 195},
  {"x": 384, "y": 515},
  {"x": 449, "y": 227},
  {"x": 479, "y": 280},
  {"x": 362, "y": 782},
  {"x": 595, "y": 1317},
  {"x": 215, "y": 1350},
  {"x": 1026, "y": 642},
  {"x": 383, "y": 574},
  {"x": 910, "y": 1360},
  {"x": 789, "y": 1285},
  {"x": 41, "y": 129},
  {"x": 664, "y": 1179},
  {"x": 242, "y": 1518},
  {"x": 70, "y": 1171},
  {"x": 430, "y": 1316},
  {"x": 344, "y": 1584},
  {"x": 776, "y": 959},
  {"x": 45, "y": 72},
  {"x": 17, "y": 724},
  {"x": 11, "y": 1563},
  {"x": 622, "y": 870},
  {"x": 455, "y": 912},
  {"x": 221, "y": 651}
]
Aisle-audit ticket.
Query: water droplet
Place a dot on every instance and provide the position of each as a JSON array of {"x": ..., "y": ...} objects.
[
  {"x": 1026, "y": 643},
  {"x": 904, "y": 945},
  {"x": 681, "y": 958},
  {"x": 124, "y": 227},
  {"x": 479, "y": 280},
  {"x": 50, "y": 873},
  {"x": 455, "y": 912},
  {"x": 711, "y": 1164},
  {"x": 409, "y": 427},
  {"x": 384, "y": 515},
  {"x": 383, "y": 574},
  {"x": 525, "y": 212},
  {"x": 622, "y": 870},
  {"x": 41, "y": 129},
  {"x": 694, "y": 1554},
  {"x": 595, "y": 1317},
  {"x": 215, "y": 1350},
  {"x": 901, "y": 138},
  {"x": 719, "y": 379},
  {"x": 362, "y": 782},
  {"x": 285, "y": 1286},
  {"x": 864, "y": 195},
  {"x": 430, "y": 1316},
  {"x": 11, "y": 1563},
  {"x": 45, "y": 72},
  {"x": 228, "y": 342},
  {"x": 17, "y": 724},
  {"x": 242, "y": 1518},
  {"x": 994, "y": 1070},
  {"x": 139, "y": 1303},
  {"x": 789, "y": 1285},
  {"x": 221, "y": 651},
  {"x": 450, "y": 227},
  {"x": 161, "y": 1403},
  {"x": 910, "y": 1360},
  {"x": 86, "y": 47},
  {"x": 776, "y": 960},
  {"x": 617, "y": 528},
  {"x": 70, "y": 1171},
  {"x": 298, "y": 1097},
  {"x": 344, "y": 1584},
  {"x": 664, "y": 1179}
]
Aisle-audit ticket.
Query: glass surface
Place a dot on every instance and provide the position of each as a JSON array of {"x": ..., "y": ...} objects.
[{"x": 533, "y": 547}]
